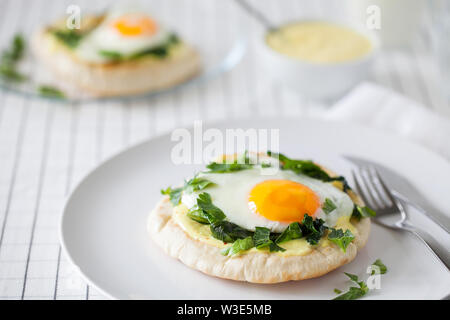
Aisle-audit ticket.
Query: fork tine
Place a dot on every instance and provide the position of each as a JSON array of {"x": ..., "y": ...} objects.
[
  {"x": 384, "y": 187},
  {"x": 379, "y": 189},
  {"x": 359, "y": 189},
  {"x": 368, "y": 185}
]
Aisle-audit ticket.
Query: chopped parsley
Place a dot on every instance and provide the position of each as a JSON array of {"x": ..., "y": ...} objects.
[
  {"x": 174, "y": 194},
  {"x": 313, "y": 229},
  {"x": 328, "y": 206},
  {"x": 361, "y": 287},
  {"x": 262, "y": 240},
  {"x": 69, "y": 37},
  {"x": 342, "y": 239},
  {"x": 194, "y": 184},
  {"x": 160, "y": 51},
  {"x": 210, "y": 211},
  {"x": 362, "y": 212},
  {"x": 49, "y": 91},
  {"x": 293, "y": 231},
  {"x": 308, "y": 168},
  {"x": 238, "y": 246},
  {"x": 215, "y": 167},
  {"x": 380, "y": 265},
  {"x": 9, "y": 59},
  {"x": 354, "y": 292},
  {"x": 196, "y": 214},
  {"x": 228, "y": 231}
]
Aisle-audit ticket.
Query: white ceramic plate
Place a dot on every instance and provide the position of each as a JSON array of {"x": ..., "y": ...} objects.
[{"x": 103, "y": 228}]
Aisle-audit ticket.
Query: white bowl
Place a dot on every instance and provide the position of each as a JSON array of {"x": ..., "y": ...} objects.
[{"x": 317, "y": 80}]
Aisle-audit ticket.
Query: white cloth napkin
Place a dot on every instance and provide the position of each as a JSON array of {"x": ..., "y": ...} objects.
[{"x": 381, "y": 108}]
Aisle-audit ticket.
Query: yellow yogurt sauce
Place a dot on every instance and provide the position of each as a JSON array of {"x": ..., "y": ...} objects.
[
  {"x": 297, "y": 247},
  {"x": 319, "y": 42}
]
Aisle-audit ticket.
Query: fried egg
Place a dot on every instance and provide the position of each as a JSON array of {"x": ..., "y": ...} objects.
[
  {"x": 250, "y": 198},
  {"x": 125, "y": 32}
]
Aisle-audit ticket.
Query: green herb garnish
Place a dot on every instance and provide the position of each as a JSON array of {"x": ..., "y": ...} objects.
[
  {"x": 228, "y": 231},
  {"x": 362, "y": 212},
  {"x": 361, "y": 289},
  {"x": 262, "y": 240},
  {"x": 238, "y": 246},
  {"x": 194, "y": 184},
  {"x": 50, "y": 91},
  {"x": 210, "y": 211},
  {"x": 197, "y": 184},
  {"x": 69, "y": 37},
  {"x": 308, "y": 168},
  {"x": 215, "y": 167},
  {"x": 328, "y": 206},
  {"x": 160, "y": 51},
  {"x": 380, "y": 265},
  {"x": 354, "y": 292},
  {"x": 342, "y": 239},
  {"x": 196, "y": 214},
  {"x": 174, "y": 194},
  {"x": 293, "y": 231},
  {"x": 9, "y": 59},
  {"x": 313, "y": 229}
]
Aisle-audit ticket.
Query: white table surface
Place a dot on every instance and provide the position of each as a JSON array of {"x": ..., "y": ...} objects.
[{"x": 47, "y": 147}]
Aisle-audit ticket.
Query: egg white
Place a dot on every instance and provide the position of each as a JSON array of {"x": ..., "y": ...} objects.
[
  {"x": 231, "y": 191},
  {"x": 106, "y": 38}
]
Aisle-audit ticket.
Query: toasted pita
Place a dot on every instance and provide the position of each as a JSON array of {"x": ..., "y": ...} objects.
[
  {"x": 257, "y": 267},
  {"x": 116, "y": 78}
]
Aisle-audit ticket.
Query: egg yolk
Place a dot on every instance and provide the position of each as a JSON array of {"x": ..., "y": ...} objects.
[
  {"x": 283, "y": 200},
  {"x": 135, "y": 25}
]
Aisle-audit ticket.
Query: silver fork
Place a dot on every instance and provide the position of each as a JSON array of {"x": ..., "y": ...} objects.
[{"x": 390, "y": 211}]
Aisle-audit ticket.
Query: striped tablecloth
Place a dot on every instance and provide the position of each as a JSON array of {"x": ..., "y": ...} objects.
[{"x": 47, "y": 147}]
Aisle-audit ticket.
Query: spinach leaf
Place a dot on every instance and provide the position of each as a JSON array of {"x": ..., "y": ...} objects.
[
  {"x": 238, "y": 246},
  {"x": 313, "y": 229},
  {"x": 342, "y": 239},
  {"x": 262, "y": 240},
  {"x": 380, "y": 265},
  {"x": 212, "y": 213},
  {"x": 228, "y": 231},
  {"x": 328, "y": 206},
  {"x": 293, "y": 231}
]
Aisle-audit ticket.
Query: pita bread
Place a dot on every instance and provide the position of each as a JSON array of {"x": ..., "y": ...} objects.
[
  {"x": 115, "y": 79},
  {"x": 257, "y": 267}
]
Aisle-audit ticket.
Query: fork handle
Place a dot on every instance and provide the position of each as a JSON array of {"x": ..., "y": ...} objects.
[{"x": 435, "y": 246}]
